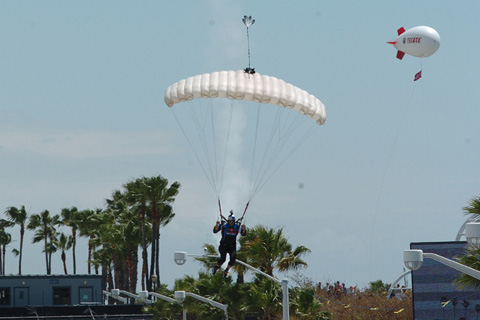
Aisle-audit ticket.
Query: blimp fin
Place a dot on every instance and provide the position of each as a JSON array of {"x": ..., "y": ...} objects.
[
  {"x": 400, "y": 31},
  {"x": 400, "y": 54}
]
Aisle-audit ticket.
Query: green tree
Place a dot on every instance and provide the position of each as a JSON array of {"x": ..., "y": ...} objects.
[
  {"x": 71, "y": 218},
  {"x": 5, "y": 239},
  {"x": 378, "y": 287},
  {"x": 304, "y": 305},
  {"x": 64, "y": 243},
  {"x": 19, "y": 217},
  {"x": 44, "y": 227},
  {"x": 264, "y": 298},
  {"x": 88, "y": 227},
  {"x": 215, "y": 288},
  {"x": 268, "y": 249},
  {"x": 160, "y": 198},
  {"x": 124, "y": 224},
  {"x": 136, "y": 193},
  {"x": 471, "y": 258},
  {"x": 473, "y": 206}
]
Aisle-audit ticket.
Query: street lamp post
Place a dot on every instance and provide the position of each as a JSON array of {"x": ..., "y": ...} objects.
[
  {"x": 142, "y": 295},
  {"x": 413, "y": 259},
  {"x": 180, "y": 258},
  {"x": 154, "y": 283},
  {"x": 180, "y": 297}
]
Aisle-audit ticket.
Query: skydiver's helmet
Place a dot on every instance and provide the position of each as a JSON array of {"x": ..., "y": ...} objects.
[{"x": 231, "y": 217}]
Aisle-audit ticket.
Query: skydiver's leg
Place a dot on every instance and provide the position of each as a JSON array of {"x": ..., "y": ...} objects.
[
  {"x": 223, "y": 256},
  {"x": 232, "y": 251},
  {"x": 233, "y": 257}
]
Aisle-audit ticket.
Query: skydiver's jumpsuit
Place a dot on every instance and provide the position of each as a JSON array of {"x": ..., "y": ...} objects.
[{"x": 228, "y": 243}]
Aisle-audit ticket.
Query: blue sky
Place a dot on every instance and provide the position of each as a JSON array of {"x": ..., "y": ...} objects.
[{"x": 82, "y": 112}]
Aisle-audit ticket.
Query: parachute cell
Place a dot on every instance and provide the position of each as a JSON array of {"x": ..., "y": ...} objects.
[{"x": 240, "y": 85}]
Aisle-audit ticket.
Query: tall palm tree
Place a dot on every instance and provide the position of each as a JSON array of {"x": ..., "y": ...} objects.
[
  {"x": 44, "y": 226},
  {"x": 268, "y": 249},
  {"x": 19, "y": 217},
  {"x": 160, "y": 197},
  {"x": 64, "y": 243},
  {"x": 124, "y": 223},
  {"x": 136, "y": 194},
  {"x": 5, "y": 239},
  {"x": 88, "y": 226},
  {"x": 71, "y": 218}
]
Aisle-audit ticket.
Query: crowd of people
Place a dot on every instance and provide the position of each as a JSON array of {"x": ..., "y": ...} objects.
[{"x": 336, "y": 289}]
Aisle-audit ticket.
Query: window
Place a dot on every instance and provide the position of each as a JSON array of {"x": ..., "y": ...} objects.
[
  {"x": 4, "y": 296},
  {"x": 61, "y": 296}
]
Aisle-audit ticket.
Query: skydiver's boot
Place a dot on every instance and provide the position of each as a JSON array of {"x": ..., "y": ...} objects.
[
  {"x": 215, "y": 269},
  {"x": 225, "y": 273}
]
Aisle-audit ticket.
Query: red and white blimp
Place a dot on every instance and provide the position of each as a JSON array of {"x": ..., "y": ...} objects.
[{"x": 421, "y": 41}]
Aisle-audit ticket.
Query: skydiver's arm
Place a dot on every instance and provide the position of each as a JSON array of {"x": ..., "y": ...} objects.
[{"x": 217, "y": 227}]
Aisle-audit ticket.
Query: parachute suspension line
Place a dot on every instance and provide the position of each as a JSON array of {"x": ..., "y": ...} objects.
[
  {"x": 201, "y": 123},
  {"x": 194, "y": 150},
  {"x": 227, "y": 144},
  {"x": 284, "y": 135},
  {"x": 262, "y": 168},
  {"x": 214, "y": 146},
  {"x": 255, "y": 139},
  {"x": 248, "y": 21}
]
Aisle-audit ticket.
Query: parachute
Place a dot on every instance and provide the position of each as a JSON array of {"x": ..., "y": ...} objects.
[
  {"x": 222, "y": 126},
  {"x": 240, "y": 85}
]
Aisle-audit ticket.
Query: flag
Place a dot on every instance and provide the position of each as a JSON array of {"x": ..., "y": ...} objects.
[{"x": 418, "y": 75}]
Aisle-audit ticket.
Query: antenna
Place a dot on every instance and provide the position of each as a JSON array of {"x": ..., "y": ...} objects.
[{"x": 248, "y": 21}]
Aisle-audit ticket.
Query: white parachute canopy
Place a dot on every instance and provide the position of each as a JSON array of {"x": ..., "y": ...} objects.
[
  {"x": 240, "y": 85},
  {"x": 235, "y": 143}
]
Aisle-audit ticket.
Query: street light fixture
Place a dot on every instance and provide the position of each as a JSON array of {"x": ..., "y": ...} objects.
[
  {"x": 472, "y": 233},
  {"x": 180, "y": 258},
  {"x": 413, "y": 259},
  {"x": 181, "y": 295},
  {"x": 154, "y": 279}
]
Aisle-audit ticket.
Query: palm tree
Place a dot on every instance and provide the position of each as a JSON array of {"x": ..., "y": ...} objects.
[
  {"x": 124, "y": 223},
  {"x": 471, "y": 258},
  {"x": 268, "y": 249},
  {"x": 88, "y": 226},
  {"x": 19, "y": 217},
  {"x": 44, "y": 226},
  {"x": 265, "y": 298},
  {"x": 473, "y": 206},
  {"x": 137, "y": 196},
  {"x": 160, "y": 198},
  {"x": 218, "y": 289},
  {"x": 71, "y": 218},
  {"x": 5, "y": 239},
  {"x": 64, "y": 243}
]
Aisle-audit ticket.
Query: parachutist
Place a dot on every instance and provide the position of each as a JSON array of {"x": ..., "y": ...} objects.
[
  {"x": 249, "y": 70},
  {"x": 228, "y": 243}
]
